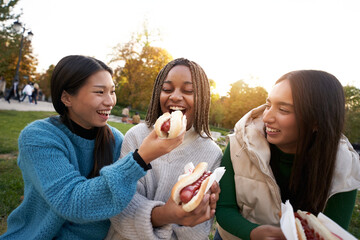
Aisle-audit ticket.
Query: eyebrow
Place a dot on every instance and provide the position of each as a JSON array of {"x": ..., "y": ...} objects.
[
  {"x": 103, "y": 86},
  {"x": 169, "y": 81},
  {"x": 281, "y": 103}
]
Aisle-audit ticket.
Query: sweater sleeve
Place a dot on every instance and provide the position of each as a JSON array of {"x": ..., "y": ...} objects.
[
  {"x": 340, "y": 207},
  {"x": 227, "y": 210},
  {"x": 44, "y": 158},
  {"x": 135, "y": 221}
]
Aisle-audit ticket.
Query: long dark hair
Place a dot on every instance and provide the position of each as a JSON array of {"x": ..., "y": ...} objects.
[
  {"x": 70, "y": 74},
  {"x": 319, "y": 106},
  {"x": 201, "y": 95}
]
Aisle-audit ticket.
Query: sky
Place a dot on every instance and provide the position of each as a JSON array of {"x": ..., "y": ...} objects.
[{"x": 255, "y": 40}]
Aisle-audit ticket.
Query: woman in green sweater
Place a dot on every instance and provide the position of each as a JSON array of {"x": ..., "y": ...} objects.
[{"x": 291, "y": 148}]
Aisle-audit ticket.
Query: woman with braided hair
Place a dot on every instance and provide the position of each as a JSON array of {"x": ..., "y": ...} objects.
[{"x": 152, "y": 214}]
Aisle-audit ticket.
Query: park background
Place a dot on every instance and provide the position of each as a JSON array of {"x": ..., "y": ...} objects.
[{"x": 243, "y": 46}]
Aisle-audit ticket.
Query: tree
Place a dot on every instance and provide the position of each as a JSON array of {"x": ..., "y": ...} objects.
[
  {"x": 241, "y": 100},
  {"x": 216, "y": 107},
  {"x": 352, "y": 114},
  {"x": 141, "y": 63},
  {"x": 10, "y": 46},
  {"x": 44, "y": 80}
]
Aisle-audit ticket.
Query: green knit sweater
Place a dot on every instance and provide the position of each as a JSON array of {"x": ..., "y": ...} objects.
[{"x": 339, "y": 207}]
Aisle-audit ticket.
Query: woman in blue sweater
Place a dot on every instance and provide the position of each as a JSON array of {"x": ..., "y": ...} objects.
[{"x": 73, "y": 183}]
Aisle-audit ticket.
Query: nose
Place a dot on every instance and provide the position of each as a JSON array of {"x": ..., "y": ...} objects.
[
  {"x": 268, "y": 115},
  {"x": 110, "y": 100},
  {"x": 176, "y": 96}
]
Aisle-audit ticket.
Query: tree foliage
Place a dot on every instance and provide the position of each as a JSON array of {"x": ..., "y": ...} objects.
[
  {"x": 44, "y": 80},
  {"x": 10, "y": 46},
  {"x": 352, "y": 114},
  {"x": 241, "y": 99},
  {"x": 140, "y": 64}
]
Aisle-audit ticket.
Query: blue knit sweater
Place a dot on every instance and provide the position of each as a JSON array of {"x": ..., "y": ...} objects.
[{"x": 58, "y": 199}]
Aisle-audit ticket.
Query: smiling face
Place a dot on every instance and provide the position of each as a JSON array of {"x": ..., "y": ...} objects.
[
  {"x": 177, "y": 93},
  {"x": 279, "y": 118},
  {"x": 92, "y": 105}
]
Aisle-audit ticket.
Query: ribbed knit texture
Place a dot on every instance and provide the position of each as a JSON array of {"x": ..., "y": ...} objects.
[
  {"x": 58, "y": 199},
  {"x": 155, "y": 188}
]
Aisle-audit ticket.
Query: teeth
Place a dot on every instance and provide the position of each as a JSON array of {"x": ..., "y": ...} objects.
[
  {"x": 272, "y": 130},
  {"x": 104, "y": 112},
  {"x": 177, "y": 108}
]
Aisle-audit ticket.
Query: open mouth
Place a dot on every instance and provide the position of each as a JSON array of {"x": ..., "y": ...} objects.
[
  {"x": 272, "y": 130},
  {"x": 177, "y": 108},
  {"x": 104, "y": 113}
]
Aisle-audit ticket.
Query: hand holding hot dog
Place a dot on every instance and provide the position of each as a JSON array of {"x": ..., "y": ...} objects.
[
  {"x": 214, "y": 196},
  {"x": 153, "y": 147},
  {"x": 193, "y": 198},
  {"x": 172, "y": 213}
]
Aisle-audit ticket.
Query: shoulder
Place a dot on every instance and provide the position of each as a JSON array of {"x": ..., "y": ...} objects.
[
  {"x": 117, "y": 134},
  {"x": 210, "y": 145},
  {"x": 347, "y": 168},
  {"x": 43, "y": 125},
  {"x": 140, "y": 130},
  {"x": 44, "y": 131}
]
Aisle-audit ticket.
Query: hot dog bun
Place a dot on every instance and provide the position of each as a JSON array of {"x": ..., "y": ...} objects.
[
  {"x": 189, "y": 179},
  {"x": 307, "y": 224},
  {"x": 177, "y": 124}
]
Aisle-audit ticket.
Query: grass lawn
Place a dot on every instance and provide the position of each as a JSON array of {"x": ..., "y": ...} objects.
[{"x": 11, "y": 184}]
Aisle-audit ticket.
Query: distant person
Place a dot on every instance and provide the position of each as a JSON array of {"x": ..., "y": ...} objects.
[
  {"x": 152, "y": 214},
  {"x": 291, "y": 148},
  {"x": 2, "y": 86},
  {"x": 27, "y": 92},
  {"x": 34, "y": 95},
  {"x": 14, "y": 91},
  {"x": 125, "y": 114},
  {"x": 136, "y": 118},
  {"x": 74, "y": 180}
]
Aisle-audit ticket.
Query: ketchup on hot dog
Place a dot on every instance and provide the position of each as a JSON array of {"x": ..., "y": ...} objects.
[
  {"x": 309, "y": 233},
  {"x": 188, "y": 192},
  {"x": 165, "y": 127}
]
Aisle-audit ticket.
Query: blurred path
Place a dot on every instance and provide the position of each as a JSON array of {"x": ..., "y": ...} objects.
[
  {"x": 26, "y": 106},
  {"x": 40, "y": 106}
]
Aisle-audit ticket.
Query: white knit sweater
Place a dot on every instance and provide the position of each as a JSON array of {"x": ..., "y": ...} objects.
[{"x": 154, "y": 189}]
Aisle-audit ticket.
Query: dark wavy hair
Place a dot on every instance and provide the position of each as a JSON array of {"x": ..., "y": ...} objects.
[
  {"x": 319, "y": 105},
  {"x": 70, "y": 74}
]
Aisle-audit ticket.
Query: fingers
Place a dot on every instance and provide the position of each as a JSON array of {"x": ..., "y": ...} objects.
[
  {"x": 214, "y": 197},
  {"x": 153, "y": 147}
]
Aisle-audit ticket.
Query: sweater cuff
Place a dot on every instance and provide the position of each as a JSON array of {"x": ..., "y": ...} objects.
[
  {"x": 140, "y": 161},
  {"x": 146, "y": 230}
]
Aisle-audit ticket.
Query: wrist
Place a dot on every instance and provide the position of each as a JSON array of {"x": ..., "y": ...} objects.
[
  {"x": 159, "y": 217},
  {"x": 144, "y": 156}
]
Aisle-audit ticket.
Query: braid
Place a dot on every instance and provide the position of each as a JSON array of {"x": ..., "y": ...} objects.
[{"x": 201, "y": 95}]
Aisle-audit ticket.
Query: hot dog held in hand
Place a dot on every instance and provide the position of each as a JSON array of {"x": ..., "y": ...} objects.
[
  {"x": 303, "y": 225},
  {"x": 193, "y": 184},
  {"x": 170, "y": 125}
]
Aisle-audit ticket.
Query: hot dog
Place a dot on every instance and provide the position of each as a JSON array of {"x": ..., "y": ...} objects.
[
  {"x": 170, "y": 125},
  {"x": 309, "y": 227},
  {"x": 189, "y": 190}
]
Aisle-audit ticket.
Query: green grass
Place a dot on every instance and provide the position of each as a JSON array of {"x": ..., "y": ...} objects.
[
  {"x": 11, "y": 189},
  {"x": 122, "y": 127},
  {"x": 11, "y": 183},
  {"x": 12, "y": 122}
]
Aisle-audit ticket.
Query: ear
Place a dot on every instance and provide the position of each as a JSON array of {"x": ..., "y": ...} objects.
[{"x": 66, "y": 99}]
